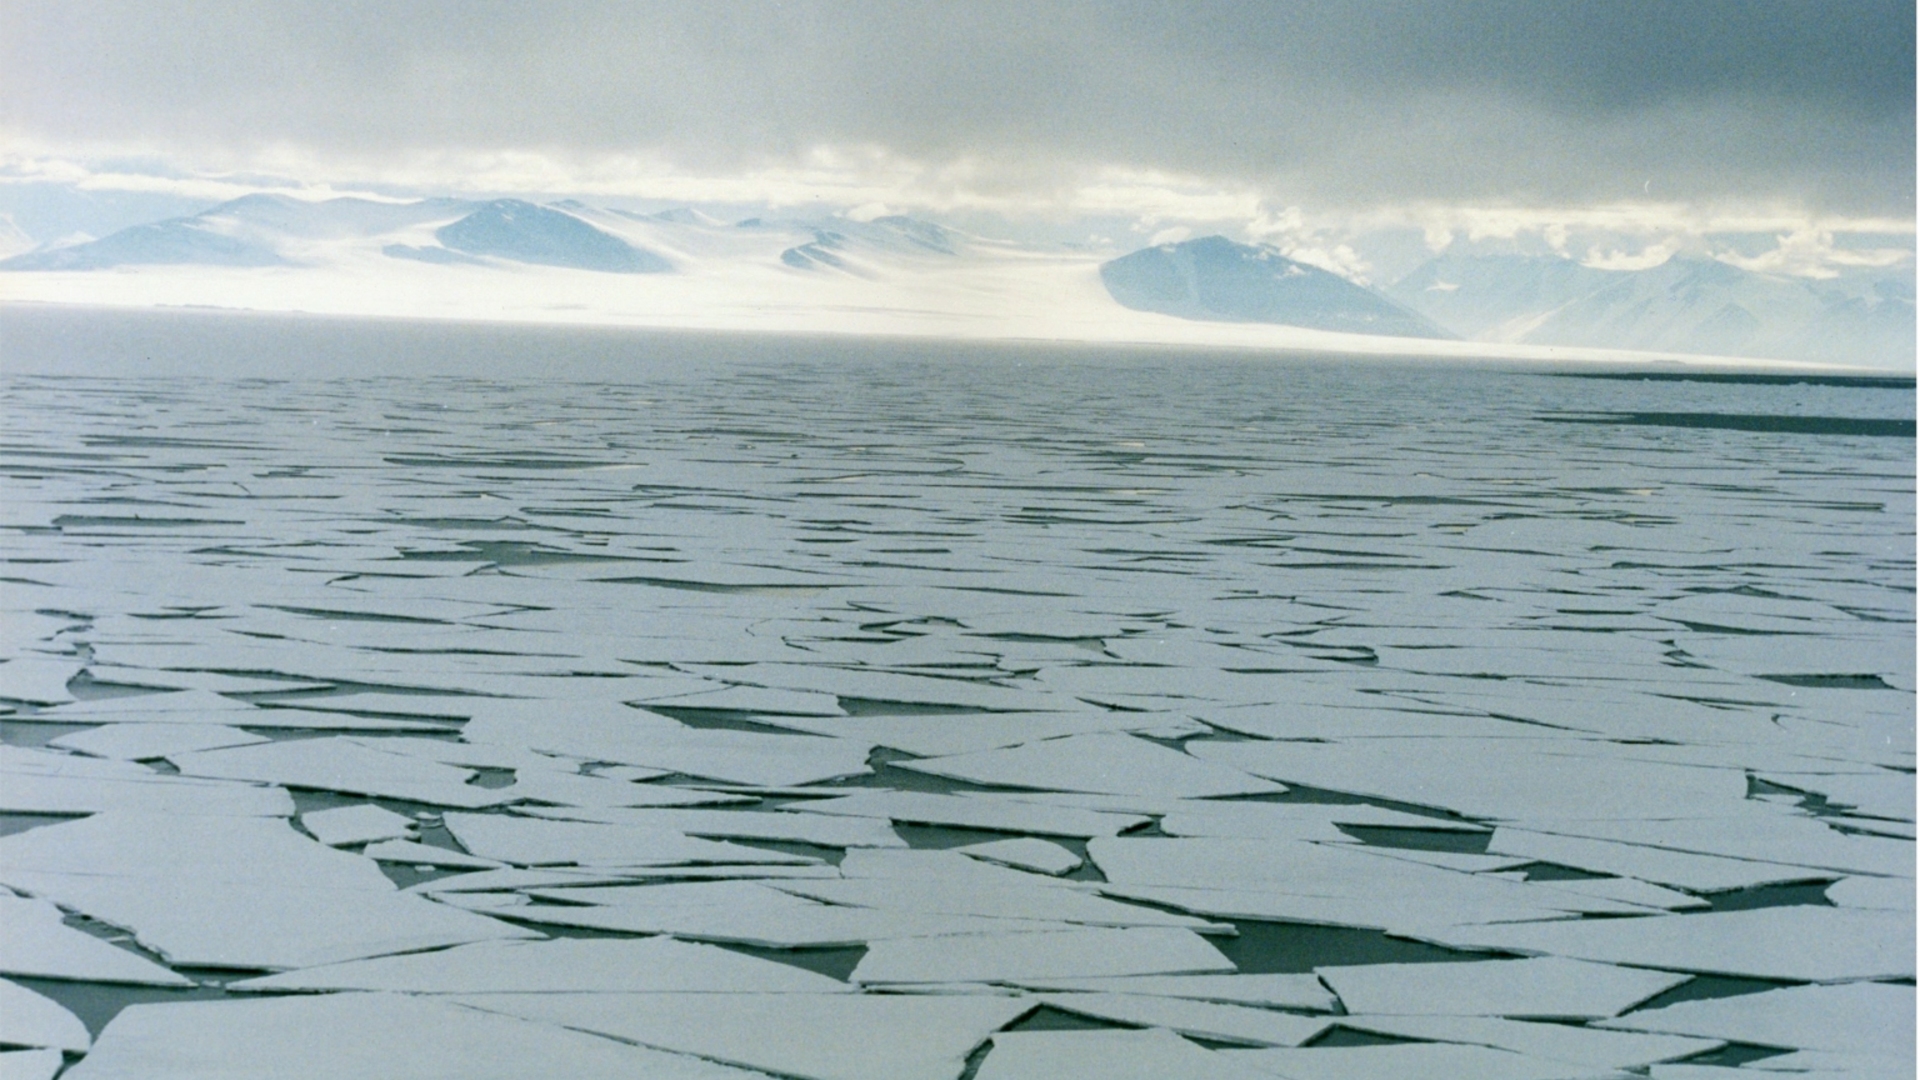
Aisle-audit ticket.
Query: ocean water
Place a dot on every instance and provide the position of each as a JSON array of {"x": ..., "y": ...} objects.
[{"x": 1300, "y": 662}]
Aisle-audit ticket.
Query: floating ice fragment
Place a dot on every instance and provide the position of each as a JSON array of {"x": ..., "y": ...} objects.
[
  {"x": 1267, "y": 991},
  {"x": 1026, "y": 853},
  {"x": 347, "y": 825},
  {"x": 1152, "y": 1054},
  {"x": 1543, "y": 988},
  {"x": 411, "y": 853},
  {"x": 1803, "y": 943},
  {"x": 984, "y": 811},
  {"x": 362, "y": 1037},
  {"x": 35, "y": 942},
  {"x": 30, "y": 1064},
  {"x": 811, "y": 1036},
  {"x": 656, "y": 964},
  {"x": 1208, "y": 1020},
  {"x": 1847, "y": 1017},
  {"x": 341, "y": 764},
  {"x": 1111, "y": 763},
  {"x": 1555, "y": 1042},
  {"x": 140, "y": 742},
  {"x": 537, "y": 842},
  {"x": 1411, "y": 1061},
  {"x": 40, "y": 680},
  {"x": 1077, "y": 953}
]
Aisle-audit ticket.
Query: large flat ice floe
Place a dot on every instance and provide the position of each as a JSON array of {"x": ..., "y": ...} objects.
[{"x": 815, "y": 710}]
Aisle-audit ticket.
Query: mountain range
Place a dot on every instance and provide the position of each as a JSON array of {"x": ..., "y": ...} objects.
[{"x": 911, "y": 268}]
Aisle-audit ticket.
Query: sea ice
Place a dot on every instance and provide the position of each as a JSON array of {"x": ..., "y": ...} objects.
[
  {"x": 811, "y": 1036},
  {"x": 1026, "y": 853},
  {"x": 362, "y": 1037},
  {"x": 1110, "y": 763},
  {"x": 28, "y": 1019},
  {"x": 654, "y": 965},
  {"x": 1153, "y": 1054},
  {"x": 1077, "y": 953},
  {"x": 1542, "y": 988},
  {"x": 349, "y": 825},
  {"x": 1845, "y": 1018}
]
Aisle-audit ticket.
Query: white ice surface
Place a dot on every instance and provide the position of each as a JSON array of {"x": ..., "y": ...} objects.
[
  {"x": 634, "y": 737},
  {"x": 1555, "y": 1042},
  {"x": 1205, "y": 1019},
  {"x": 1267, "y": 991},
  {"x": 416, "y": 854},
  {"x": 38, "y": 679},
  {"x": 341, "y": 764},
  {"x": 1685, "y": 870},
  {"x": 973, "y": 812},
  {"x": 1079, "y": 953},
  {"x": 1107, "y": 763},
  {"x": 739, "y": 825},
  {"x": 1799, "y": 943},
  {"x": 1846, "y": 1017},
  {"x": 536, "y": 842},
  {"x": 362, "y": 1037},
  {"x": 139, "y": 742},
  {"x": 29, "y": 1019},
  {"x": 347, "y": 825},
  {"x": 1411, "y": 1061},
  {"x": 1026, "y": 853},
  {"x": 811, "y": 1036},
  {"x": 37, "y": 944},
  {"x": 608, "y": 965},
  {"x": 1107, "y": 1055},
  {"x": 1544, "y": 987},
  {"x": 30, "y": 1064}
]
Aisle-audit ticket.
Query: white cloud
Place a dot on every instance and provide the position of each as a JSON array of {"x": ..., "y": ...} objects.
[{"x": 1810, "y": 253}]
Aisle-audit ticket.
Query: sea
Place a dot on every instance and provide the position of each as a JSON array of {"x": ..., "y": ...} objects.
[{"x": 1529, "y": 645}]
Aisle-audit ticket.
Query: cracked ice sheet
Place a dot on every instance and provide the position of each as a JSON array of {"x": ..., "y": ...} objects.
[
  {"x": 1207, "y": 1020},
  {"x": 741, "y": 825},
  {"x": 1554, "y": 1042},
  {"x": 1007, "y": 895},
  {"x": 38, "y": 782},
  {"x": 1299, "y": 881},
  {"x": 347, "y": 825},
  {"x": 635, "y": 737},
  {"x": 37, "y": 943},
  {"x": 811, "y": 1036},
  {"x": 30, "y": 1064},
  {"x": 565, "y": 965},
  {"x": 1026, "y": 853},
  {"x": 1076, "y": 953},
  {"x": 206, "y": 707},
  {"x": 139, "y": 742},
  {"x": 526, "y": 841},
  {"x": 935, "y": 736},
  {"x": 27, "y": 1019},
  {"x": 1800, "y": 944},
  {"x": 1504, "y": 779},
  {"x": 1267, "y": 991},
  {"x": 362, "y": 1037},
  {"x": 991, "y": 811},
  {"x": 1542, "y": 988},
  {"x": 1108, "y": 1055},
  {"x": 1108, "y": 763},
  {"x": 1411, "y": 1061},
  {"x": 231, "y": 892},
  {"x": 1846, "y": 1017},
  {"x": 750, "y": 913},
  {"x": 1685, "y": 870},
  {"x": 343, "y": 765}
]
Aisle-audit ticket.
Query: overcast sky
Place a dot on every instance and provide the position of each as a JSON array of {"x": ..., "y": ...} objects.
[{"x": 1333, "y": 106}]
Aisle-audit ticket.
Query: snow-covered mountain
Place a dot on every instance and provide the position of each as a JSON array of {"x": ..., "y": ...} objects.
[
  {"x": 685, "y": 267},
  {"x": 1214, "y": 278},
  {"x": 1687, "y": 305}
]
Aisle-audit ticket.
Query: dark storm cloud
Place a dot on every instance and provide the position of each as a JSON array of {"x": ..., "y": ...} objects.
[{"x": 1528, "y": 100}]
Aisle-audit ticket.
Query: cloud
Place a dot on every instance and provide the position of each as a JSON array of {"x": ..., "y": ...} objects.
[{"x": 993, "y": 102}]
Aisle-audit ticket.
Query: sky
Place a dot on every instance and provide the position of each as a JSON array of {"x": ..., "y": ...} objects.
[{"x": 1788, "y": 120}]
